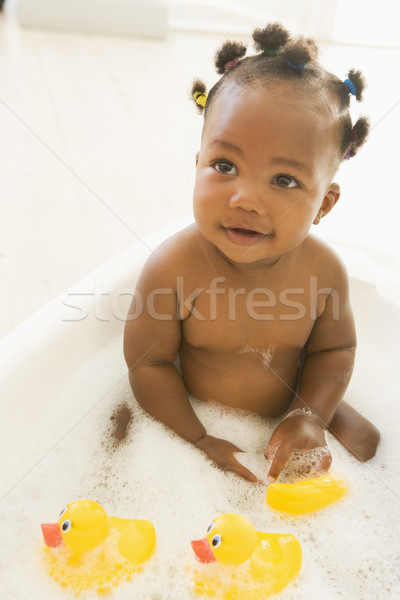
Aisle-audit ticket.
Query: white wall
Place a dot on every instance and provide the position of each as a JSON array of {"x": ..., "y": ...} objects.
[{"x": 364, "y": 22}]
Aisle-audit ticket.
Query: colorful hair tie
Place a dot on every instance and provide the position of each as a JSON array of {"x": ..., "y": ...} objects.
[
  {"x": 351, "y": 88},
  {"x": 297, "y": 67},
  {"x": 232, "y": 63},
  {"x": 271, "y": 52},
  {"x": 200, "y": 98}
]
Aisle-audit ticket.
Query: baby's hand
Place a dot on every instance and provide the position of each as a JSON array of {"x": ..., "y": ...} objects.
[
  {"x": 298, "y": 432},
  {"x": 221, "y": 452}
]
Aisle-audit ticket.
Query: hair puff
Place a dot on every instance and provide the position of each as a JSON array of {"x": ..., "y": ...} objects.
[
  {"x": 361, "y": 130},
  {"x": 230, "y": 51},
  {"x": 357, "y": 79},
  {"x": 272, "y": 37},
  {"x": 198, "y": 87},
  {"x": 313, "y": 48},
  {"x": 299, "y": 52}
]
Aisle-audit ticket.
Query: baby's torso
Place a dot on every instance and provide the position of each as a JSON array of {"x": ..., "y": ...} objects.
[{"x": 243, "y": 337}]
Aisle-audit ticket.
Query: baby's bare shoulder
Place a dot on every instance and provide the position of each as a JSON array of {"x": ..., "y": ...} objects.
[
  {"x": 179, "y": 249},
  {"x": 177, "y": 255},
  {"x": 324, "y": 261}
]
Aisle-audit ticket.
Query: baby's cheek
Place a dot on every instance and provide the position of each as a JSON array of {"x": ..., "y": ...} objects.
[{"x": 303, "y": 463}]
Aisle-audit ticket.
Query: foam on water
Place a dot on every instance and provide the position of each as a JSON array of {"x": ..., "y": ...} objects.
[{"x": 351, "y": 550}]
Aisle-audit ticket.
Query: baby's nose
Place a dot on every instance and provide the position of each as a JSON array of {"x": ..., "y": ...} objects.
[{"x": 250, "y": 197}]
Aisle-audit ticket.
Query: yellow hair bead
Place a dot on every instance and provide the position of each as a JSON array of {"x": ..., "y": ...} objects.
[{"x": 200, "y": 98}]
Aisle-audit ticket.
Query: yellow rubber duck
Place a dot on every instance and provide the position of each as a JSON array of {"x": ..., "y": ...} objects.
[
  {"x": 86, "y": 549},
  {"x": 307, "y": 495},
  {"x": 246, "y": 563}
]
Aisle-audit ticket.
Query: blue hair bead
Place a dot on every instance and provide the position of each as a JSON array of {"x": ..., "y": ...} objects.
[
  {"x": 298, "y": 67},
  {"x": 350, "y": 87}
]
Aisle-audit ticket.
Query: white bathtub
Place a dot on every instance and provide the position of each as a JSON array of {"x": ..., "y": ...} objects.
[{"x": 63, "y": 370}]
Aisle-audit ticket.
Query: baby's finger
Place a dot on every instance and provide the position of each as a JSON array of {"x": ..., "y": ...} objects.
[
  {"x": 271, "y": 449},
  {"x": 280, "y": 459},
  {"x": 273, "y": 444}
]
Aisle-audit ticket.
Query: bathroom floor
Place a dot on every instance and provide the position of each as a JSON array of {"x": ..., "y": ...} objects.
[{"x": 98, "y": 148}]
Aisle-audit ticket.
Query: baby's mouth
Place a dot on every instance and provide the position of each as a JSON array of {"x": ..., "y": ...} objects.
[{"x": 242, "y": 236}]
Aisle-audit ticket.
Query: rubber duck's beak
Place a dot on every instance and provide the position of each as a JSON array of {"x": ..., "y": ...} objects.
[
  {"x": 52, "y": 534},
  {"x": 202, "y": 550}
]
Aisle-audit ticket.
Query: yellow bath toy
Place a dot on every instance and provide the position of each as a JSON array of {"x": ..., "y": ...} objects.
[
  {"x": 307, "y": 495},
  {"x": 246, "y": 563},
  {"x": 88, "y": 550}
]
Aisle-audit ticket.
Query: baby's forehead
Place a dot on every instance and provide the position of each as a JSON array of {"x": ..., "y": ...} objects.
[
  {"x": 289, "y": 119},
  {"x": 263, "y": 97}
]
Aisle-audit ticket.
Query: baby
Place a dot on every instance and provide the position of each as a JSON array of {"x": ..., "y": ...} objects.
[{"x": 255, "y": 307}]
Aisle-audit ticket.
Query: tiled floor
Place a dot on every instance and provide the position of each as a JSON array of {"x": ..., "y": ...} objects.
[{"x": 98, "y": 139}]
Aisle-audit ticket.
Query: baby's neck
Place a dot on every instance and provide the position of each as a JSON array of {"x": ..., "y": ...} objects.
[
  {"x": 261, "y": 265},
  {"x": 276, "y": 266}
]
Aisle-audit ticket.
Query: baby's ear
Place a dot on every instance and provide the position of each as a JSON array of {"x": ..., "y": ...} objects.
[
  {"x": 331, "y": 197},
  {"x": 329, "y": 201},
  {"x": 197, "y": 157}
]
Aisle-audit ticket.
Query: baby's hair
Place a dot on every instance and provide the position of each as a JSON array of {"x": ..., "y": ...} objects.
[{"x": 282, "y": 56}]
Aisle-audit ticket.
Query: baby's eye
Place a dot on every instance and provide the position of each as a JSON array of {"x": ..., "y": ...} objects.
[
  {"x": 225, "y": 167},
  {"x": 286, "y": 181}
]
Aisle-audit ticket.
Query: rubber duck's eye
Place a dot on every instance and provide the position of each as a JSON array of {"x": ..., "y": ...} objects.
[
  {"x": 211, "y": 525},
  {"x": 216, "y": 540},
  {"x": 62, "y": 512},
  {"x": 66, "y": 526}
]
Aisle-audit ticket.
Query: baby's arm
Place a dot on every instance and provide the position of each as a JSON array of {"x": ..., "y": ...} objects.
[
  {"x": 325, "y": 375},
  {"x": 151, "y": 345}
]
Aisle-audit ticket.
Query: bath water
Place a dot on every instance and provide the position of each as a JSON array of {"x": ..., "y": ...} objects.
[{"x": 135, "y": 468}]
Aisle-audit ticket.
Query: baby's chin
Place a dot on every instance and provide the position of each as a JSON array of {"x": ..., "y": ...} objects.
[{"x": 248, "y": 260}]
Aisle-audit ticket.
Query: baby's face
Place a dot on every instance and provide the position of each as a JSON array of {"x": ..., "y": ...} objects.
[{"x": 264, "y": 172}]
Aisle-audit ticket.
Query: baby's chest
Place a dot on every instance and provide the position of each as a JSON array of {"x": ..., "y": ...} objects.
[{"x": 230, "y": 319}]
